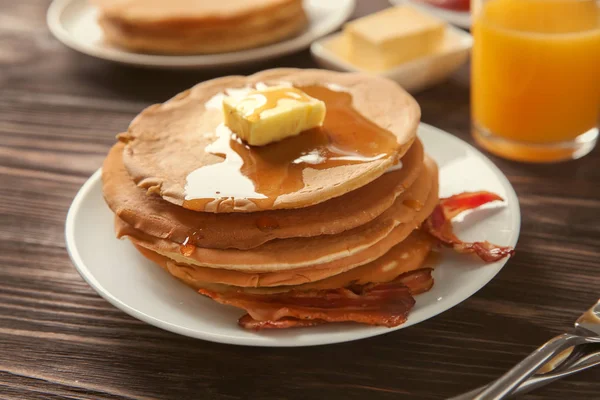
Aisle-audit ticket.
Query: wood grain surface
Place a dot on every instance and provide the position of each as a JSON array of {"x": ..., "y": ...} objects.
[{"x": 59, "y": 112}]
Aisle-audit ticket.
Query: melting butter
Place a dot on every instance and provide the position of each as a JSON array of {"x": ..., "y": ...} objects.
[{"x": 272, "y": 114}]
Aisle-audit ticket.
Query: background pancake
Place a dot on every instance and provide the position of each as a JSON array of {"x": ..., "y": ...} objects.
[
  {"x": 176, "y": 13},
  {"x": 363, "y": 243},
  {"x": 156, "y": 217},
  {"x": 167, "y": 142},
  {"x": 404, "y": 257},
  {"x": 207, "y": 27}
]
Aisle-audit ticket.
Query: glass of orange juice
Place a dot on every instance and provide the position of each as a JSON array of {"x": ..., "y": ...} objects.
[{"x": 535, "y": 89}]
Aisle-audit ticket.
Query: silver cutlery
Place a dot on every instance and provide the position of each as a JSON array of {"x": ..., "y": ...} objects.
[
  {"x": 582, "y": 363},
  {"x": 515, "y": 381}
]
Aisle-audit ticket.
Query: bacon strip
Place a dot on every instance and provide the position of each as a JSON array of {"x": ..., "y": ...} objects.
[
  {"x": 385, "y": 304},
  {"x": 439, "y": 225},
  {"x": 250, "y": 323}
]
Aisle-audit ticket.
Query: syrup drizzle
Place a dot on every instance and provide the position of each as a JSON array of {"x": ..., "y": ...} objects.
[
  {"x": 266, "y": 223},
  {"x": 262, "y": 174},
  {"x": 189, "y": 244},
  {"x": 257, "y": 103},
  {"x": 414, "y": 204}
]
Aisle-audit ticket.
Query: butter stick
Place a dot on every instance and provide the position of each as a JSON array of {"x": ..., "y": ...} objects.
[
  {"x": 391, "y": 37},
  {"x": 272, "y": 114}
]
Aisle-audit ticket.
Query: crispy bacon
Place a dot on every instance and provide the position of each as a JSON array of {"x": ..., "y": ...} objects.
[
  {"x": 384, "y": 304},
  {"x": 439, "y": 225},
  {"x": 250, "y": 323}
]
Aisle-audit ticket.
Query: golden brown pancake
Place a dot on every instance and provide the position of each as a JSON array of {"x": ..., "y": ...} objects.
[
  {"x": 188, "y": 12},
  {"x": 348, "y": 249},
  {"x": 167, "y": 142},
  {"x": 156, "y": 217},
  {"x": 406, "y": 256},
  {"x": 198, "y": 26}
]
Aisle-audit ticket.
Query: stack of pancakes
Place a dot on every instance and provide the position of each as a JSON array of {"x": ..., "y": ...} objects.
[
  {"x": 198, "y": 26},
  {"x": 340, "y": 226}
]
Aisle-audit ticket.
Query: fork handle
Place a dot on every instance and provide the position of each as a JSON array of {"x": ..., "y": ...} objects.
[
  {"x": 537, "y": 381},
  {"x": 507, "y": 383}
]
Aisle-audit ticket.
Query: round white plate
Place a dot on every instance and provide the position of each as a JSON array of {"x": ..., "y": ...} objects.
[
  {"x": 459, "y": 18},
  {"x": 143, "y": 290},
  {"x": 74, "y": 22}
]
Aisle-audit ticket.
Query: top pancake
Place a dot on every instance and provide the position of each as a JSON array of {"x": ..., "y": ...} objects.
[{"x": 167, "y": 142}]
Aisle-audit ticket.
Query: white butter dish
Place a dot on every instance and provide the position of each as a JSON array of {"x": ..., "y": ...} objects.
[{"x": 415, "y": 75}]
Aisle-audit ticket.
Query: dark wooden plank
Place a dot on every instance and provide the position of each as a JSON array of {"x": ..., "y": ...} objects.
[{"x": 59, "y": 112}]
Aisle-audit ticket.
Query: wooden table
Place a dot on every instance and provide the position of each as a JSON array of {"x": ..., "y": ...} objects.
[{"x": 59, "y": 113}]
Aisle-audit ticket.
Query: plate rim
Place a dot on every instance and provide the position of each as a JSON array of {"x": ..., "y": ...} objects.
[
  {"x": 88, "y": 277},
  {"x": 198, "y": 61}
]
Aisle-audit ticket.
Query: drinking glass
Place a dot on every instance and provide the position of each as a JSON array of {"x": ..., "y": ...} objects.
[{"x": 535, "y": 90}]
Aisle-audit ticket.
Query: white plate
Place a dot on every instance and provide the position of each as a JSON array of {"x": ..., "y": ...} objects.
[
  {"x": 74, "y": 23},
  {"x": 413, "y": 76},
  {"x": 143, "y": 290},
  {"x": 458, "y": 18}
]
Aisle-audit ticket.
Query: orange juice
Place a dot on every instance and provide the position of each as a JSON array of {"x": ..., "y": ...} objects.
[{"x": 536, "y": 77}]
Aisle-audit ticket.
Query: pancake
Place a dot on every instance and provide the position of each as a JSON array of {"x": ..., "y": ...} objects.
[
  {"x": 161, "y": 219},
  {"x": 166, "y": 145},
  {"x": 195, "y": 27},
  {"x": 353, "y": 247},
  {"x": 252, "y": 32},
  {"x": 186, "y": 13},
  {"x": 406, "y": 256}
]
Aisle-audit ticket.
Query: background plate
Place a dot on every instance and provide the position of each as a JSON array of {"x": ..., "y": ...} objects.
[
  {"x": 143, "y": 290},
  {"x": 415, "y": 75},
  {"x": 73, "y": 22},
  {"x": 461, "y": 19}
]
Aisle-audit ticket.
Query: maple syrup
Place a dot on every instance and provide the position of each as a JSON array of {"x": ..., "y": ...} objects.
[
  {"x": 189, "y": 244},
  {"x": 414, "y": 204},
  {"x": 262, "y": 174},
  {"x": 266, "y": 223},
  {"x": 271, "y": 98}
]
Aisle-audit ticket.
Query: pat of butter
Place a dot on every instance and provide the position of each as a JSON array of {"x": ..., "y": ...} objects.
[
  {"x": 391, "y": 37},
  {"x": 272, "y": 114}
]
